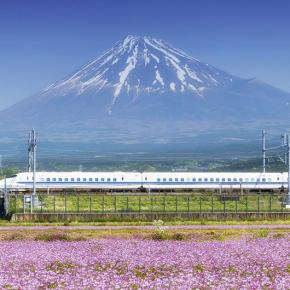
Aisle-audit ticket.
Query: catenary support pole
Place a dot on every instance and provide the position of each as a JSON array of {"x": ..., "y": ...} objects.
[
  {"x": 288, "y": 159},
  {"x": 264, "y": 149}
]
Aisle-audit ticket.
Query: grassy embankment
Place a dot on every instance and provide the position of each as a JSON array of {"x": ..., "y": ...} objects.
[{"x": 73, "y": 203}]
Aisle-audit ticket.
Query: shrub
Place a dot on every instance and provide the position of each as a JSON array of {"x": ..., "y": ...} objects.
[
  {"x": 49, "y": 237},
  {"x": 179, "y": 237},
  {"x": 15, "y": 237},
  {"x": 263, "y": 233}
]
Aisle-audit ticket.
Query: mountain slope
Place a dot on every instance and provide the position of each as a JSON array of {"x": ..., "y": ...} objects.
[{"x": 142, "y": 83}]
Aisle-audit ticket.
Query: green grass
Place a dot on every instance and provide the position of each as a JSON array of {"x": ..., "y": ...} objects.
[
  {"x": 142, "y": 223},
  {"x": 74, "y": 203},
  {"x": 200, "y": 235}
]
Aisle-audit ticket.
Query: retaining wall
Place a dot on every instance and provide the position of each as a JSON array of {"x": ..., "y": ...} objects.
[{"x": 87, "y": 217}]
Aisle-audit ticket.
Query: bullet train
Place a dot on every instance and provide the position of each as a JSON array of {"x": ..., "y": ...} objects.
[{"x": 145, "y": 180}]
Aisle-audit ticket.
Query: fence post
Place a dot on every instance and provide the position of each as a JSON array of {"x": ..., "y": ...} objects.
[
  {"x": 164, "y": 203},
  {"x": 246, "y": 203},
  {"x": 270, "y": 203},
  {"x": 281, "y": 203},
  {"x": 139, "y": 203},
  {"x": 212, "y": 202},
  {"x": 41, "y": 202},
  {"x": 151, "y": 200},
  {"x": 103, "y": 203},
  {"x": 54, "y": 202},
  {"x": 258, "y": 203},
  {"x": 90, "y": 203},
  {"x": 188, "y": 197},
  {"x": 23, "y": 203},
  {"x": 176, "y": 203},
  {"x": 115, "y": 203},
  {"x": 78, "y": 203},
  {"x": 65, "y": 202},
  {"x": 237, "y": 202},
  {"x": 200, "y": 204},
  {"x": 127, "y": 203},
  {"x": 224, "y": 203}
]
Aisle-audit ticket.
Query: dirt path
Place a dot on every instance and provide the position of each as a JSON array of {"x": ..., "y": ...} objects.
[{"x": 185, "y": 227}]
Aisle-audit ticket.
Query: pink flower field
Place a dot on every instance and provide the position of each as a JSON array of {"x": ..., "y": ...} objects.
[{"x": 116, "y": 263}]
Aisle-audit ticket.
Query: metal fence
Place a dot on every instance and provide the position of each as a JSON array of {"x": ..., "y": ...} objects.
[{"x": 95, "y": 203}]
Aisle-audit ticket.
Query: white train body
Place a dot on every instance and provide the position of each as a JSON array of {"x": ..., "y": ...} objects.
[{"x": 147, "y": 180}]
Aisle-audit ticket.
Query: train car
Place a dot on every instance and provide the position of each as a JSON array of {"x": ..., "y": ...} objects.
[{"x": 146, "y": 180}]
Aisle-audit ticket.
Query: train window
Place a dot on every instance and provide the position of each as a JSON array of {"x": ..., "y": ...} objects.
[
  {"x": 258, "y": 179},
  {"x": 78, "y": 179},
  {"x": 194, "y": 179},
  {"x": 206, "y": 179},
  {"x": 108, "y": 179},
  {"x": 122, "y": 178},
  {"x": 277, "y": 178},
  {"x": 176, "y": 179},
  {"x": 84, "y": 179},
  {"x": 241, "y": 179},
  {"x": 211, "y": 179},
  {"x": 27, "y": 178},
  {"x": 114, "y": 179},
  {"x": 158, "y": 179},
  {"x": 90, "y": 179},
  {"x": 72, "y": 179},
  {"x": 164, "y": 179},
  {"x": 229, "y": 179},
  {"x": 235, "y": 179},
  {"x": 264, "y": 179},
  {"x": 252, "y": 179},
  {"x": 102, "y": 179},
  {"x": 146, "y": 178},
  {"x": 223, "y": 179},
  {"x": 217, "y": 179},
  {"x": 48, "y": 179},
  {"x": 66, "y": 179},
  {"x": 170, "y": 179},
  {"x": 199, "y": 179},
  {"x": 247, "y": 179},
  {"x": 54, "y": 179},
  {"x": 181, "y": 179},
  {"x": 60, "y": 179},
  {"x": 96, "y": 179}
]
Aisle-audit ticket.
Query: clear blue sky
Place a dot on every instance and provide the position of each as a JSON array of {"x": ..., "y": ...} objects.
[{"x": 42, "y": 41}]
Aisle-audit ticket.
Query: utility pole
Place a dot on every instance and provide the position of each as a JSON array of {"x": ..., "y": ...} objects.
[
  {"x": 264, "y": 149},
  {"x": 6, "y": 201},
  {"x": 285, "y": 146},
  {"x": 287, "y": 205},
  {"x": 32, "y": 163},
  {"x": 1, "y": 166}
]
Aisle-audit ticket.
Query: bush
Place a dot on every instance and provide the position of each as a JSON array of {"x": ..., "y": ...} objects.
[
  {"x": 179, "y": 237},
  {"x": 263, "y": 233},
  {"x": 49, "y": 237},
  {"x": 159, "y": 236},
  {"x": 15, "y": 237}
]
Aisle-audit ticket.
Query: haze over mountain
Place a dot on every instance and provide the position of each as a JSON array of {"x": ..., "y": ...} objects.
[{"x": 145, "y": 90}]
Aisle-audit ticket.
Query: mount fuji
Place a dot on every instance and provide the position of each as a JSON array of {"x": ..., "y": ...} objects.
[{"x": 145, "y": 89}]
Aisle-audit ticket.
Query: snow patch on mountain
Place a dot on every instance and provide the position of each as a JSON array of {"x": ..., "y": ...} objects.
[{"x": 140, "y": 65}]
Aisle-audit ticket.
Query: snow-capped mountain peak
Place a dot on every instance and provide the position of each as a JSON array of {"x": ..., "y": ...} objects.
[{"x": 138, "y": 66}]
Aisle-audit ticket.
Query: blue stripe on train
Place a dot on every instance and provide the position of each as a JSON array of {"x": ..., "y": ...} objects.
[{"x": 155, "y": 183}]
